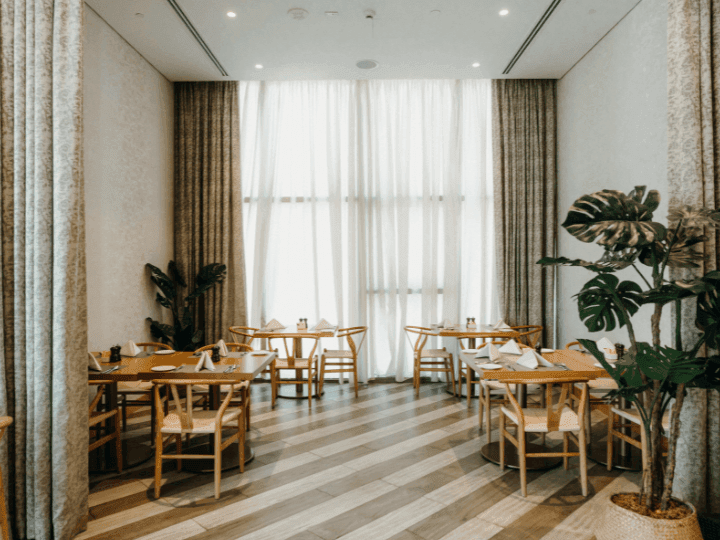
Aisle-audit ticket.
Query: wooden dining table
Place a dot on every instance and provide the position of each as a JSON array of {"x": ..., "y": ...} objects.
[
  {"x": 575, "y": 364},
  {"x": 246, "y": 366},
  {"x": 297, "y": 349}
]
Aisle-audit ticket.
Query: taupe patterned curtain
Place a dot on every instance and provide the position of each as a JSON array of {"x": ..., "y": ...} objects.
[
  {"x": 208, "y": 199},
  {"x": 694, "y": 178},
  {"x": 43, "y": 345},
  {"x": 524, "y": 176}
]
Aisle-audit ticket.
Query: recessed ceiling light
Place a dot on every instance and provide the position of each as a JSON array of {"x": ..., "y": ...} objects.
[
  {"x": 331, "y": 13},
  {"x": 298, "y": 13},
  {"x": 504, "y": 12},
  {"x": 435, "y": 12},
  {"x": 476, "y": 64},
  {"x": 139, "y": 15},
  {"x": 258, "y": 66},
  {"x": 231, "y": 14},
  {"x": 367, "y": 64}
]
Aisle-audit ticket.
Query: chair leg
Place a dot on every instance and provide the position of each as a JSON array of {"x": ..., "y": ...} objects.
[
  {"x": 566, "y": 444},
  {"x": 273, "y": 387},
  {"x": 502, "y": 441},
  {"x": 158, "y": 462},
  {"x": 118, "y": 442},
  {"x": 248, "y": 402},
  {"x": 610, "y": 421},
  {"x": 355, "y": 376},
  {"x": 152, "y": 419},
  {"x": 178, "y": 451},
  {"x": 521, "y": 458},
  {"x": 488, "y": 421},
  {"x": 241, "y": 443},
  {"x": 218, "y": 461},
  {"x": 121, "y": 405},
  {"x": 322, "y": 374},
  {"x": 583, "y": 463},
  {"x": 451, "y": 369},
  {"x": 309, "y": 385},
  {"x": 481, "y": 404},
  {"x": 468, "y": 376}
]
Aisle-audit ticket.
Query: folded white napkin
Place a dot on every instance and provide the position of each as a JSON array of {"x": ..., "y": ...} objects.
[
  {"x": 93, "y": 363},
  {"x": 511, "y": 347},
  {"x": 324, "y": 325},
  {"x": 223, "y": 347},
  {"x": 501, "y": 325},
  {"x": 607, "y": 347},
  {"x": 205, "y": 362},
  {"x": 130, "y": 349},
  {"x": 532, "y": 360},
  {"x": 274, "y": 325},
  {"x": 488, "y": 351}
]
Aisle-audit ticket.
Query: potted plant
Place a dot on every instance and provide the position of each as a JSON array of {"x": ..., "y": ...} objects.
[
  {"x": 653, "y": 376},
  {"x": 182, "y": 333}
]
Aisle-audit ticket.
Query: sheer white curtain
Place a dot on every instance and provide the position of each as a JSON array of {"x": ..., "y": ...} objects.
[{"x": 368, "y": 202}]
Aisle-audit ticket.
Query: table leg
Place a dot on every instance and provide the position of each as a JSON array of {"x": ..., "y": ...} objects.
[{"x": 297, "y": 352}]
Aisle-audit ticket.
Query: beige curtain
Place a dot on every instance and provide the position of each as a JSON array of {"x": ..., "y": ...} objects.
[
  {"x": 208, "y": 200},
  {"x": 694, "y": 178},
  {"x": 43, "y": 344},
  {"x": 524, "y": 179}
]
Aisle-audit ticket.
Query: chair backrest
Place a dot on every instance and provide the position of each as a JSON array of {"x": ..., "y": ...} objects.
[
  {"x": 243, "y": 334},
  {"x": 5, "y": 422},
  {"x": 154, "y": 346},
  {"x": 573, "y": 345},
  {"x": 232, "y": 347},
  {"x": 554, "y": 410},
  {"x": 289, "y": 338},
  {"x": 422, "y": 334},
  {"x": 528, "y": 334},
  {"x": 355, "y": 337},
  {"x": 185, "y": 413}
]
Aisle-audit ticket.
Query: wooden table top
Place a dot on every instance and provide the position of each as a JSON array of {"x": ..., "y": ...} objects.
[
  {"x": 291, "y": 332},
  {"x": 249, "y": 365},
  {"x": 580, "y": 364},
  {"x": 480, "y": 331}
]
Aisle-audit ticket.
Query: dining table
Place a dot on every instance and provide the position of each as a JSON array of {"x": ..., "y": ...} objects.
[
  {"x": 236, "y": 367},
  {"x": 296, "y": 335},
  {"x": 473, "y": 334},
  {"x": 567, "y": 364}
]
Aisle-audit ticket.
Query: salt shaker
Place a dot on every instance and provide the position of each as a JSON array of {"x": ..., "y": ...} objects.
[
  {"x": 215, "y": 354},
  {"x": 115, "y": 354}
]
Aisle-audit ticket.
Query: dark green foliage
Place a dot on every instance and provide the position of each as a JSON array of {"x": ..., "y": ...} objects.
[
  {"x": 182, "y": 334},
  {"x": 601, "y": 300}
]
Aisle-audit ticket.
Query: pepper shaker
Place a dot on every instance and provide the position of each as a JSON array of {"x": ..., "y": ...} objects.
[
  {"x": 215, "y": 354},
  {"x": 115, "y": 354},
  {"x": 620, "y": 349},
  {"x": 538, "y": 349}
]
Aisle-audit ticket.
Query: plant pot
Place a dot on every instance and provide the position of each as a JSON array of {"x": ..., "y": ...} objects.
[{"x": 617, "y": 523}]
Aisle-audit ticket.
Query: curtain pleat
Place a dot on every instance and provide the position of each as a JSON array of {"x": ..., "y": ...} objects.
[
  {"x": 208, "y": 199},
  {"x": 524, "y": 179},
  {"x": 43, "y": 385},
  {"x": 694, "y": 179}
]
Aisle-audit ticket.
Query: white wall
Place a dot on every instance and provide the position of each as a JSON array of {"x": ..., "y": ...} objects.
[
  {"x": 612, "y": 109},
  {"x": 128, "y": 184}
]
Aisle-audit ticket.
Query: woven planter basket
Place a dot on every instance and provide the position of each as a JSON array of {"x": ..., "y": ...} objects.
[{"x": 618, "y": 523}]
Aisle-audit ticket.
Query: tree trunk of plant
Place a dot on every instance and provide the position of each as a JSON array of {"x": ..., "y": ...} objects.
[
  {"x": 655, "y": 449},
  {"x": 672, "y": 445}
]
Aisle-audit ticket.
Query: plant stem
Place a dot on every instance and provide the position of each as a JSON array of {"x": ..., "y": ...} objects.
[
  {"x": 672, "y": 447},
  {"x": 641, "y": 275}
]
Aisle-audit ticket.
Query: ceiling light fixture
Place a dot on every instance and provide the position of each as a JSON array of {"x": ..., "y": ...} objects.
[
  {"x": 504, "y": 12},
  {"x": 231, "y": 14},
  {"x": 435, "y": 12},
  {"x": 367, "y": 64},
  {"x": 476, "y": 64},
  {"x": 298, "y": 13},
  {"x": 258, "y": 66}
]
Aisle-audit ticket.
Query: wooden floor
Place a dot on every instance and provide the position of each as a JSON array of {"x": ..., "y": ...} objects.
[{"x": 385, "y": 466}]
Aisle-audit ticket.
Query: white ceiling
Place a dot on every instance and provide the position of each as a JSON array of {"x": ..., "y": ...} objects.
[{"x": 405, "y": 38}]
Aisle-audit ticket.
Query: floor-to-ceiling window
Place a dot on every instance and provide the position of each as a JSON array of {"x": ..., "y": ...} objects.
[{"x": 368, "y": 203}]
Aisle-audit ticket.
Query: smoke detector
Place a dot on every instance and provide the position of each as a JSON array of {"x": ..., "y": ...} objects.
[
  {"x": 367, "y": 64},
  {"x": 298, "y": 13},
  {"x": 369, "y": 13}
]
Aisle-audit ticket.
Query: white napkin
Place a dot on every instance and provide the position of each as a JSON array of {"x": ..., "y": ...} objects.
[
  {"x": 532, "y": 360},
  {"x": 511, "y": 347},
  {"x": 488, "y": 351},
  {"x": 274, "y": 325},
  {"x": 324, "y": 325},
  {"x": 93, "y": 363},
  {"x": 501, "y": 325},
  {"x": 130, "y": 349},
  {"x": 223, "y": 347},
  {"x": 607, "y": 347},
  {"x": 205, "y": 362}
]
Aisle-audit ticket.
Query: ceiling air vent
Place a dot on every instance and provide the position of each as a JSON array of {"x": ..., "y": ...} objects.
[
  {"x": 197, "y": 36},
  {"x": 528, "y": 40}
]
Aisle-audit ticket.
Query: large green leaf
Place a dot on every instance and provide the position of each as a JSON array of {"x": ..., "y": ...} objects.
[
  {"x": 625, "y": 372},
  {"x": 175, "y": 274},
  {"x": 164, "y": 283},
  {"x": 164, "y": 302},
  {"x": 682, "y": 253},
  {"x": 668, "y": 364},
  {"x": 708, "y": 312},
  {"x": 610, "y": 261},
  {"x": 208, "y": 277},
  {"x": 710, "y": 379},
  {"x": 598, "y": 302},
  {"x": 163, "y": 332},
  {"x": 676, "y": 290},
  {"x": 614, "y": 219}
]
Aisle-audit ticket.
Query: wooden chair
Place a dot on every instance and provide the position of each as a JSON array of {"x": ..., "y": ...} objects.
[
  {"x": 97, "y": 422},
  {"x": 243, "y": 335},
  {"x": 634, "y": 417},
  {"x": 422, "y": 357},
  {"x": 5, "y": 422},
  {"x": 138, "y": 393},
  {"x": 345, "y": 361},
  {"x": 528, "y": 334},
  {"x": 242, "y": 389},
  {"x": 298, "y": 365},
  {"x": 556, "y": 417},
  {"x": 187, "y": 421},
  {"x": 463, "y": 375}
]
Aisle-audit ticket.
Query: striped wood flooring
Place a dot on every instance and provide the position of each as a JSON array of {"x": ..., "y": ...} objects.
[{"x": 385, "y": 466}]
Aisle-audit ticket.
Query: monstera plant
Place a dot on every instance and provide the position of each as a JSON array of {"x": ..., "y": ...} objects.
[
  {"x": 650, "y": 375},
  {"x": 182, "y": 334}
]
